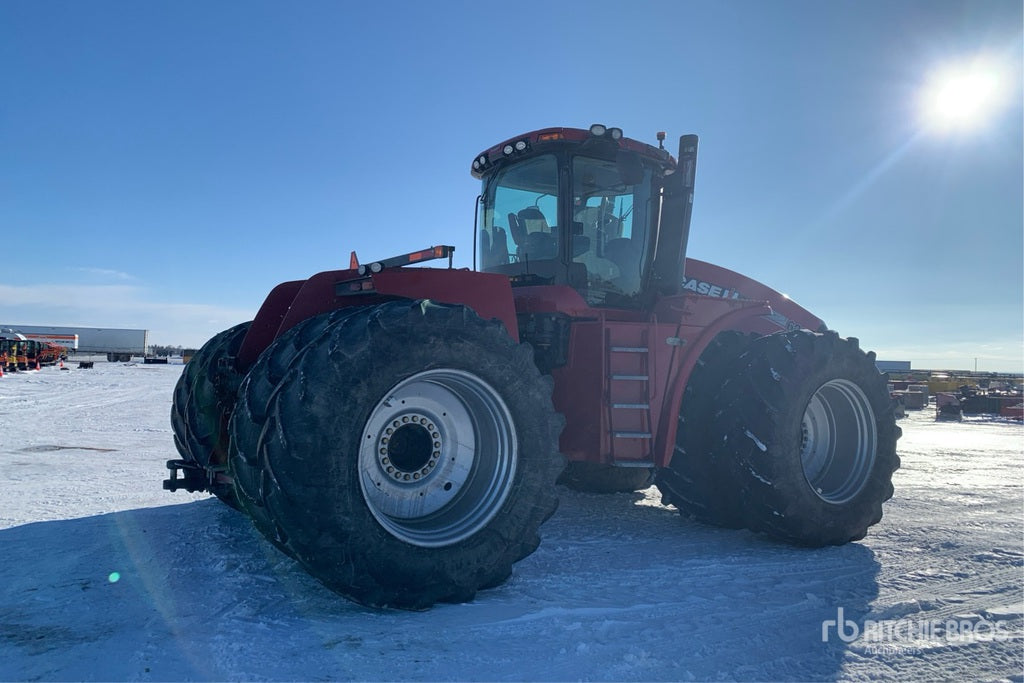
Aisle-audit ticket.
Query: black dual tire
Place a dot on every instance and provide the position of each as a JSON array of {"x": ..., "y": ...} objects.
[
  {"x": 250, "y": 476},
  {"x": 803, "y": 438},
  {"x": 594, "y": 477},
  {"x": 696, "y": 481},
  {"x": 204, "y": 398},
  {"x": 406, "y": 452}
]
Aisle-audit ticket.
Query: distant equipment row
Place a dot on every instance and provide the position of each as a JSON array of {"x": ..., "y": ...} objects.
[
  {"x": 119, "y": 344},
  {"x": 19, "y": 352}
]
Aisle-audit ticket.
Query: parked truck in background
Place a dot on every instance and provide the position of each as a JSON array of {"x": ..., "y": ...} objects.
[{"x": 118, "y": 344}]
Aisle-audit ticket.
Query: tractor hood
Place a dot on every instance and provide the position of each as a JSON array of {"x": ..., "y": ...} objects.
[{"x": 708, "y": 279}]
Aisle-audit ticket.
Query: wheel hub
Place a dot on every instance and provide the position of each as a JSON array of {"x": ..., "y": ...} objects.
[
  {"x": 437, "y": 457},
  {"x": 409, "y": 447},
  {"x": 838, "y": 444}
]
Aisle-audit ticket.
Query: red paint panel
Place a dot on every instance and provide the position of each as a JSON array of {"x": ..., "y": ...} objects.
[
  {"x": 266, "y": 323},
  {"x": 707, "y": 279},
  {"x": 579, "y": 394},
  {"x": 292, "y": 302},
  {"x": 489, "y": 294}
]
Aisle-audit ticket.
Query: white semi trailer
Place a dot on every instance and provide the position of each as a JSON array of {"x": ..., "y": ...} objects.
[{"x": 117, "y": 343}]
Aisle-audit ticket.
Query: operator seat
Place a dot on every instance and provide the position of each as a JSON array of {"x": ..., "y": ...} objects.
[
  {"x": 493, "y": 251},
  {"x": 625, "y": 254},
  {"x": 539, "y": 242}
]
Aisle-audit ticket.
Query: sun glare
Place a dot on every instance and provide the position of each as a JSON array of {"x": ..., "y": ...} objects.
[{"x": 964, "y": 96}]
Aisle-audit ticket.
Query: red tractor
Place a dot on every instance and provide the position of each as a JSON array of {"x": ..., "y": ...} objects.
[
  {"x": 50, "y": 353},
  {"x": 400, "y": 431}
]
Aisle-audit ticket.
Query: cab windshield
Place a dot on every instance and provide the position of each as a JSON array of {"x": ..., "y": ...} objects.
[{"x": 594, "y": 240}]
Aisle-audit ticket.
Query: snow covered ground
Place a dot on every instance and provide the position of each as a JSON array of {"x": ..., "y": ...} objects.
[{"x": 104, "y": 576}]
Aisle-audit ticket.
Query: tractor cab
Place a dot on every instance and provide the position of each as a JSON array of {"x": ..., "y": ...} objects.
[{"x": 584, "y": 208}]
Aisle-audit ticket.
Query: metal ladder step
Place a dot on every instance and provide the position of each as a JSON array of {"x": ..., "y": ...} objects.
[
  {"x": 631, "y": 435},
  {"x": 630, "y": 409}
]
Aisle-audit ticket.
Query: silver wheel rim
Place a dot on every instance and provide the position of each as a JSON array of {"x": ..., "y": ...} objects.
[
  {"x": 839, "y": 441},
  {"x": 437, "y": 457}
]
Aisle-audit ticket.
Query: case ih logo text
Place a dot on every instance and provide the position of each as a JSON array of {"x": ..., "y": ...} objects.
[{"x": 708, "y": 289}]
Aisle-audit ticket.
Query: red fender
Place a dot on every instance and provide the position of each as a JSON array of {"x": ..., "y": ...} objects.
[{"x": 288, "y": 304}]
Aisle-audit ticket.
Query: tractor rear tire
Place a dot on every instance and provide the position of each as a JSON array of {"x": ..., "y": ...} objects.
[
  {"x": 808, "y": 431},
  {"x": 598, "y": 478},
  {"x": 248, "y": 471},
  {"x": 408, "y": 454},
  {"x": 203, "y": 401},
  {"x": 695, "y": 481}
]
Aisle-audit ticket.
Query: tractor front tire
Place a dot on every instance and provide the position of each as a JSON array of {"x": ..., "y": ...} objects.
[
  {"x": 696, "y": 482},
  {"x": 408, "y": 454},
  {"x": 203, "y": 400},
  {"x": 807, "y": 429}
]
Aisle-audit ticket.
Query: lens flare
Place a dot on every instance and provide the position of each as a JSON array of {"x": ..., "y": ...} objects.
[{"x": 964, "y": 96}]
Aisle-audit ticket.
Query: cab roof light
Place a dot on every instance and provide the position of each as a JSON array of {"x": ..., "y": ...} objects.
[
  {"x": 511, "y": 148},
  {"x": 599, "y": 130}
]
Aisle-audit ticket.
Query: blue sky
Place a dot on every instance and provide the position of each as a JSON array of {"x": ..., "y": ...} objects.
[{"x": 168, "y": 163}]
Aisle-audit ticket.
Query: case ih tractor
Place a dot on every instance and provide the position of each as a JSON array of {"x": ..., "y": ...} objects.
[{"x": 399, "y": 431}]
